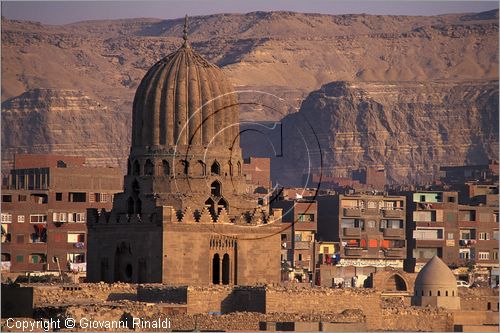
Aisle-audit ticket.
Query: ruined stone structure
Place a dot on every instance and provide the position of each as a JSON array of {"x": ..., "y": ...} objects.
[
  {"x": 436, "y": 286},
  {"x": 184, "y": 216}
]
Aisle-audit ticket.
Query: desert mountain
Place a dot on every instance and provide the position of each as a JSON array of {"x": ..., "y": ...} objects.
[{"x": 284, "y": 54}]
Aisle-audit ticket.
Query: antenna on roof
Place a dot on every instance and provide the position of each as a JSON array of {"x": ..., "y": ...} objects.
[{"x": 185, "y": 36}]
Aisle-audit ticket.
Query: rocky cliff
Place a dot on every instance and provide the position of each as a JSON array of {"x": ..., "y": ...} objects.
[
  {"x": 63, "y": 122},
  {"x": 282, "y": 54},
  {"x": 410, "y": 128}
]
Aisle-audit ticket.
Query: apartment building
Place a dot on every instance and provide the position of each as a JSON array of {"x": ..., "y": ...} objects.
[
  {"x": 371, "y": 230},
  {"x": 44, "y": 202},
  {"x": 462, "y": 235},
  {"x": 298, "y": 237}
]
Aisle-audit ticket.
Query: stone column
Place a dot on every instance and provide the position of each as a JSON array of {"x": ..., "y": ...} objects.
[{"x": 220, "y": 269}]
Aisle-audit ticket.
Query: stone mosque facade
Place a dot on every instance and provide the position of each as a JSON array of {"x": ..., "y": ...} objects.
[{"x": 184, "y": 217}]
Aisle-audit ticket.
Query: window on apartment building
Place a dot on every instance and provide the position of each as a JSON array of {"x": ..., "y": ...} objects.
[
  {"x": 300, "y": 256},
  {"x": 77, "y": 196},
  {"x": 6, "y": 237},
  {"x": 468, "y": 215},
  {"x": 372, "y": 205},
  {"x": 371, "y": 224},
  {"x": 391, "y": 224},
  {"x": 495, "y": 217},
  {"x": 422, "y": 198},
  {"x": 484, "y": 236},
  {"x": 495, "y": 255},
  {"x": 59, "y": 196},
  {"x": 20, "y": 218},
  {"x": 305, "y": 217},
  {"x": 428, "y": 234},
  {"x": 283, "y": 237},
  {"x": 20, "y": 239},
  {"x": 39, "y": 198},
  {"x": 450, "y": 236},
  {"x": 39, "y": 234},
  {"x": 76, "y": 238},
  {"x": 38, "y": 218},
  {"x": 451, "y": 199},
  {"x": 468, "y": 234},
  {"x": 19, "y": 258},
  {"x": 76, "y": 217},
  {"x": 6, "y": 218},
  {"x": 22, "y": 198},
  {"x": 353, "y": 223},
  {"x": 495, "y": 235},
  {"x": 426, "y": 253},
  {"x": 37, "y": 258},
  {"x": 484, "y": 256},
  {"x": 450, "y": 217},
  {"x": 75, "y": 258},
  {"x": 59, "y": 217},
  {"x": 6, "y": 198},
  {"x": 464, "y": 254}
]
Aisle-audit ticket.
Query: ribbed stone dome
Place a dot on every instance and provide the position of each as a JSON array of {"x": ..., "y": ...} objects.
[
  {"x": 184, "y": 100},
  {"x": 436, "y": 273}
]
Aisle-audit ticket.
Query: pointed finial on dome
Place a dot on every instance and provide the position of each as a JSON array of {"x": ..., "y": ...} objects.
[{"x": 185, "y": 36}]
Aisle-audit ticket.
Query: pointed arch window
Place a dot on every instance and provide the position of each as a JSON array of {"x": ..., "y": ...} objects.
[
  {"x": 149, "y": 168},
  {"x": 215, "y": 168},
  {"x": 215, "y": 189}
]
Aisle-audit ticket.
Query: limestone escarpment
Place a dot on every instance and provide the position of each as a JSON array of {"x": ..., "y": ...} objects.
[
  {"x": 410, "y": 128},
  {"x": 65, "y": 122}
]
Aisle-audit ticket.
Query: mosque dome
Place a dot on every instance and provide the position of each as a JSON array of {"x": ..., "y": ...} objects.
[
  {"x": 184, "y": 100},
  {"x": 436, "y": 274}
]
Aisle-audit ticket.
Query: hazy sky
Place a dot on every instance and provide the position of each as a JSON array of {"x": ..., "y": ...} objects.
[{"x": 60, "y": 12}]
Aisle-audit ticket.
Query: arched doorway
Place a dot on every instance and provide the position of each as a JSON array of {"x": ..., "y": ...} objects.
[
  {"x": 395, "y": 283},
  {"x": 225, "y": 269},
  {"x": 216, "y": 269}
]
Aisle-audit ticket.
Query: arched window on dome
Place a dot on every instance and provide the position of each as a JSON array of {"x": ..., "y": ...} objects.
[
  {"x": 422, "y": 293},
  {"x": 137, "y": 168},
  {"x": 439, "y": 292},
  {"x": 430, "y": 292},
  {"x": 446, "y": 293},
  {"x": 238, "y": 166},
  {"x": 215, "y": 189},
  {"x": 229, "y": 171},
  {"x": 215, "y": 168},
  {"x": 149, "y": 168},
  {"x": 165, "y": 167}
]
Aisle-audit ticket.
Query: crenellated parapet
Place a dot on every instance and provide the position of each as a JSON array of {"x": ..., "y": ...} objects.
[{"x": 167, "y": 214}]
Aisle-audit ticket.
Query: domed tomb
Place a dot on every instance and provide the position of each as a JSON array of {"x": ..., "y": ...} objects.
[{"x": 436, "y": 286}]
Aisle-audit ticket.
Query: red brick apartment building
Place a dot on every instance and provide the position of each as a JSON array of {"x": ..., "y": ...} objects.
[
  {"x": 464, "y": 236},
  {"x": 298, "y": 237},
  {"x": 44, "y": 202}
]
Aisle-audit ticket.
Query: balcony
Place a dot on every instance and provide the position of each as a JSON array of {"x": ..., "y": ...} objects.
[
  {"x": 353, "y": 251},
  {"x": 393, "y": 213},
  {"x": 352, "y": 212},
  {"x": 372, "y": 211},
  {"x": 395, "y": 253},
  {"x": 393, "y": 233},
  {"x": 352, "y": 232},
  {"x": 302, "y": 245}
]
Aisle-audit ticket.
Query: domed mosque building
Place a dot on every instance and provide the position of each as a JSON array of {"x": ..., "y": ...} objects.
[
  {"x": 436, "y": 286},
  {"x": 184, "y": 216}
]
